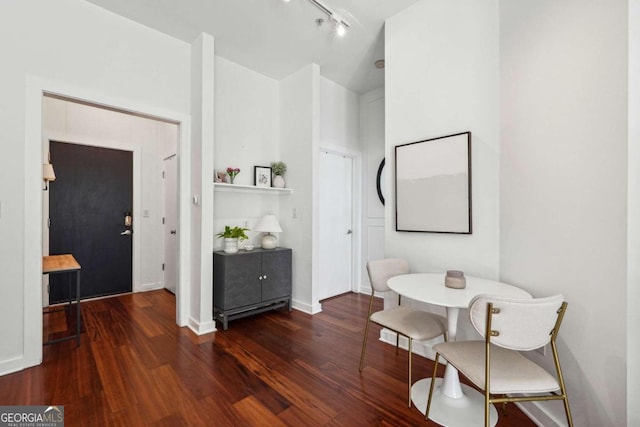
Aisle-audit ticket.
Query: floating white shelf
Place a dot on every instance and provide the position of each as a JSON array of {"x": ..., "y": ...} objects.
[{"x": 219, "y": 186}]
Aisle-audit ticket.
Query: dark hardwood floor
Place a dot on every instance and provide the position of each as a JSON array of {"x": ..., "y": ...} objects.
[{"x": 136, "y": 367}]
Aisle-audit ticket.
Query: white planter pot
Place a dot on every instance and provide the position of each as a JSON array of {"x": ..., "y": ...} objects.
[
  {"x": 231, "y": 245},
  {"x": 278, "y": 181}
]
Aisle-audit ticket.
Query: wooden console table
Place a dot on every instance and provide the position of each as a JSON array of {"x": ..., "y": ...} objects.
[{"x": 57, "y": 264}]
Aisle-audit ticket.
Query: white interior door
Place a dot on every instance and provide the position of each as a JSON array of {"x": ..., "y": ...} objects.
[
  {"x": 170, "y": 221},
  {"x": 336, "y": 224}
]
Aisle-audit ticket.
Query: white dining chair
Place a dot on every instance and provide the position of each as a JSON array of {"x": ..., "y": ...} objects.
[
  {"x": 410, "y": 323},
  {"x": 495, "y": 365}
]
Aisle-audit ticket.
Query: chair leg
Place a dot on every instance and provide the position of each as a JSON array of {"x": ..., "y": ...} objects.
[
  {"x": 364, "y": 344},
  {"x": 410, "y": 353},
  {"x": 563, "y": 388},
  {"x": 433, "y": 382},
  {"x": 567, "y": 410},
  {"x": 487, "y": 405}
]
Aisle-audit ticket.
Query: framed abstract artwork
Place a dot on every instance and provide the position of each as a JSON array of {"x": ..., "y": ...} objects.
[{"x": 433, "y": 185}]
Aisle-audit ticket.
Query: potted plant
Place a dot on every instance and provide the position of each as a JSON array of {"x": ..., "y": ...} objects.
[
  {"x": 278, "y": 169},
  {"x": 231, "y": 237}
]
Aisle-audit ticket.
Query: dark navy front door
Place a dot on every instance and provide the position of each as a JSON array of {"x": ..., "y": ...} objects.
[{"x": 88, "y": 201}]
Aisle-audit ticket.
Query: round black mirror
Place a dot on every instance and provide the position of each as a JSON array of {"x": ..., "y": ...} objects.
[{"x": 379, "y": 183}]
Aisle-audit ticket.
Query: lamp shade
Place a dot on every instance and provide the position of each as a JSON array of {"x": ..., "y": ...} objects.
[
  {"x": 47, "y": 172},
  {"x": 268, "y": 224}
]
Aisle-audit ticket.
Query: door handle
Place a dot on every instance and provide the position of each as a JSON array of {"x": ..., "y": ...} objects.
[
  {"x": 173, "y": 232},
  {"x": 349, "y": 231},
  {"x": 126, "y": 233}
]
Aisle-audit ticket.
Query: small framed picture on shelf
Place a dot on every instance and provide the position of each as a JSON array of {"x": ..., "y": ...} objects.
[{"x": 262, "y": 176}]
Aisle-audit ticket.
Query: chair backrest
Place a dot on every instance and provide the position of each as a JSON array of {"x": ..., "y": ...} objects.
[
  {"x": 521, "y": 324},
  {"x": 383, "y": 269}
]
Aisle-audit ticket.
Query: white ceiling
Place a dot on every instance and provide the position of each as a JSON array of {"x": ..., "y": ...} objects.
[{"x": 276, "y": 38}]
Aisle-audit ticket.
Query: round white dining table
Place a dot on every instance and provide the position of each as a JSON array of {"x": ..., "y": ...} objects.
[{"x": 453, "y": 404}]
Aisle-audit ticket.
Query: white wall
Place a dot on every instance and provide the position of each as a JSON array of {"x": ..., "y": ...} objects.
[
  {"x": 442, "y": 77},
  {"x": 77, "y": 44},
  {"x": 372, "y": 140},
  {"x": 339, "y": 117},
  {"x": 66, "y": 121},
  {"x": 563, "y": 185},
  {"x": 633, "y": 219},
  {"x": 299, "y": 145},
  {"x": 247, "y": 135}
]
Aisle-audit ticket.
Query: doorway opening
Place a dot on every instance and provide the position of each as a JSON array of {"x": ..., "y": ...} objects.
[
  {"x": 109, "y": 171},
  {"x": 37, "y": 91}
]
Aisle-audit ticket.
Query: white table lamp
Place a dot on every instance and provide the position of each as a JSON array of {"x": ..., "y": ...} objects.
[{"x": 268, "y": 224}]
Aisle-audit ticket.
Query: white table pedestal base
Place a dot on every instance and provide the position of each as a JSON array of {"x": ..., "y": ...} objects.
[{"x": 465, "y": 411}]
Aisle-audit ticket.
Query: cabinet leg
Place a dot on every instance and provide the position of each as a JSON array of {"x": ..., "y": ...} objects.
[{"x": 290, "y": 306}]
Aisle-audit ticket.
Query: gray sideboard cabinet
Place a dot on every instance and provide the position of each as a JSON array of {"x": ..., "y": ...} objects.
[{"x": 250, "y": 282}]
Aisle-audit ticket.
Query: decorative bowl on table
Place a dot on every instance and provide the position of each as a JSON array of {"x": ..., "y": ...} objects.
[{"x": 248, "y": 247}]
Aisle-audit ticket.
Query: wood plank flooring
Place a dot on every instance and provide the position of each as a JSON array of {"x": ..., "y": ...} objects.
[{"x": 136, "y": 367}]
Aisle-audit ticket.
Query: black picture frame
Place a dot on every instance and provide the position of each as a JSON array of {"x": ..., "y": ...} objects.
[
  {"x": 262, "y": 176},
  {"x": 433, "y": 185}
]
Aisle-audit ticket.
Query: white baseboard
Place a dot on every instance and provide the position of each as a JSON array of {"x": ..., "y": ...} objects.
[
  {"x": 539, "y": 415},
  {"x": 365, "y": 289},
  {"x": 16, "y": 364},
  {"x": 306, "y": 308},
  {"x": 201, "y": 328},
  {"x": 148, "y": 287}
]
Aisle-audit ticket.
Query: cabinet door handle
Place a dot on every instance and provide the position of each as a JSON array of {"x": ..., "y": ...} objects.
[
  {"x": 264, "y": 277},
  {"x": 259, "y": 277}
]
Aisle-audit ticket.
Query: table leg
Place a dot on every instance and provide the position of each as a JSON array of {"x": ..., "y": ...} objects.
[
  {"x": 78, "y": 317},
  {"x": 451, "y": 383}
]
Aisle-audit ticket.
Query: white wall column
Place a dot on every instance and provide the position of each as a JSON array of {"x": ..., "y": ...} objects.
[{"x": 202, "y": 113}]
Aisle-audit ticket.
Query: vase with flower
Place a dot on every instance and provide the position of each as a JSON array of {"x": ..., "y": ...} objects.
[{"x": 232, "y": 172}]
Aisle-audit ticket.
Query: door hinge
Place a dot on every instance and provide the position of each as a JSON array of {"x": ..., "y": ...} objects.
[
  {"x": 163, "y": 174},
  {"x": 49, "y": 222},
  {"x": 163, "y": 266},
  {"x": 163, "y": 220}
]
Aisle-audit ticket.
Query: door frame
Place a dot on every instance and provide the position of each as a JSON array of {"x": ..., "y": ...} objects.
[
  {"x": 356, "y": 196},
  {"x": 36, "y": 87}
]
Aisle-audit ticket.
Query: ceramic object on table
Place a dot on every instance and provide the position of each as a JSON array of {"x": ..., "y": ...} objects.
[{"x": 455, "y": 279}]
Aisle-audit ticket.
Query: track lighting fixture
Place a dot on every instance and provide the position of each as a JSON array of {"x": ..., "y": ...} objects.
[{"x": 339, "y": 24}]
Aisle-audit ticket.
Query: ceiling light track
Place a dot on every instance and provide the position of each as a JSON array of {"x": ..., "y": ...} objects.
[{"x": 340, "y": 24}]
